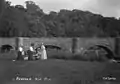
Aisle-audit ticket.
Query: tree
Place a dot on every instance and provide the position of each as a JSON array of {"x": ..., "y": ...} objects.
[
  {"x": 2, "y": 7},
  {"x": 33, "y": 8},
  {"x": 33, "y": 22},
  {"x": 13, "y": 22}
]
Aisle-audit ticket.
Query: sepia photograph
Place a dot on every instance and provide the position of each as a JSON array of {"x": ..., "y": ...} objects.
[{"x": 59, "y": 41}]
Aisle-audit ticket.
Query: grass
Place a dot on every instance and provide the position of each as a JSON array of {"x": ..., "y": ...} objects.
[
  {"x": 67, "y": 71},
  {"x": 60, "y": 71}
]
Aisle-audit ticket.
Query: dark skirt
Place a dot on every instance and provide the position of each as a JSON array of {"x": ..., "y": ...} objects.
[
  {"x": 20, "y": 56},
  {"x": 30, "y": 55}
]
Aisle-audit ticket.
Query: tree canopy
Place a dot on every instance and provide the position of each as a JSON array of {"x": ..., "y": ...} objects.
[{"x": 33, "y": 22}]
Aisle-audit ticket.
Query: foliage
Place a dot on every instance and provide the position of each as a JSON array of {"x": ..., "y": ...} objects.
[{"x": 33, "y": 22}]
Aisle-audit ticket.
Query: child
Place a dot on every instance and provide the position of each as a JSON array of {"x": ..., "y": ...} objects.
[{"x": 38, "y": 55}]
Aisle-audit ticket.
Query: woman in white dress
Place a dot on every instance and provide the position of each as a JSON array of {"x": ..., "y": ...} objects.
[{"x": 43, "y": 52}]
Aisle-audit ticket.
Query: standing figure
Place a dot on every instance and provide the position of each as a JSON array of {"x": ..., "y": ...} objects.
[
  {"x": 43, "y": 52},
  {"x": 20, "y": 53},
  {"x": 31, "y": 52}
]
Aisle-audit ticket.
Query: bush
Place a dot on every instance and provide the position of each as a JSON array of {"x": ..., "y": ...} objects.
[
  {"x": 69, "y": 56},
  {"x": 78, "y": 57},
  {"x": 59, "y": 55}
]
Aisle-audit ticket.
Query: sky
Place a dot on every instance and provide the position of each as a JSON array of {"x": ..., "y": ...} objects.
[{"x": 108, "y": 8}]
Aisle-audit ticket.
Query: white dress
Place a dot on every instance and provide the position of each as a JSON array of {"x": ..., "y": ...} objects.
[
  {"x": 21, "y": 50},
  {"x": 43, "y": 53},
  {"x": 31, "y": 49}
]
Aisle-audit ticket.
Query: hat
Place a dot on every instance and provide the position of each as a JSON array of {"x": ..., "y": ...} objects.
[
  {"x": 32, "y": 44},
  {"x": 21, "y": 45}
]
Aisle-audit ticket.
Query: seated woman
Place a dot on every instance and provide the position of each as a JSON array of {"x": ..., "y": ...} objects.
[{"x": 38, "y": 55}]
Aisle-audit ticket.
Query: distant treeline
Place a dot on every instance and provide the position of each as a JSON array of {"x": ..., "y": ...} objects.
[{"x": 33, "y": 22}]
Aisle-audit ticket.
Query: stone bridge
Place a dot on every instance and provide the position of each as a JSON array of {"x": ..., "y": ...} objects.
[{"x": 74, "y": 45}]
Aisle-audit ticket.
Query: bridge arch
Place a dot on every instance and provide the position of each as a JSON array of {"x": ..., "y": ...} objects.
[
  {"x": 51, "y": 46},
  {"x": 109, "y": 53},
  {"x": 6, "y": 48}
]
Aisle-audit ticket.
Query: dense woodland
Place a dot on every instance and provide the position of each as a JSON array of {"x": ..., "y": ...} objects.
[{"x": 33, "y": 22}]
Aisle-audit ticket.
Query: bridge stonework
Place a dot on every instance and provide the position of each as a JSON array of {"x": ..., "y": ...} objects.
[
  {"x": 9, "y": 41},
  {"x": 75, "y": 45},
  {"x": 85, "y": 43},
  {"x": 64, "y": 43}
]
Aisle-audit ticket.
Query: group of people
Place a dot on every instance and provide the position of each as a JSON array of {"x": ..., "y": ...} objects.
[{"x": 32, "y": 53}]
